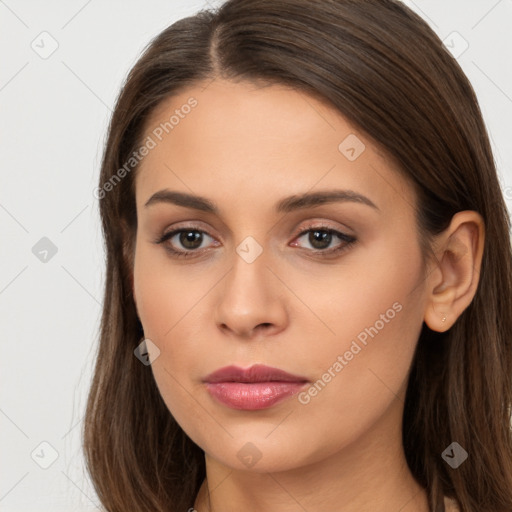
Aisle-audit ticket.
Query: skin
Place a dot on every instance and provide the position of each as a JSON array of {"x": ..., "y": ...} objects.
[{"x": 245, "y": 148}]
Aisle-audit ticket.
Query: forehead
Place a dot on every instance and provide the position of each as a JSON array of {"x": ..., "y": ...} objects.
[{"x": 252, "y": 142}]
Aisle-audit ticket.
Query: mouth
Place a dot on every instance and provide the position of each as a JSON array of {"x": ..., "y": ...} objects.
[{"x": 254, "y": 388}]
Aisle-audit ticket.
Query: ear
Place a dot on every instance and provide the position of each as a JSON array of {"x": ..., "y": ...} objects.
[{"x": 454, "y": 275}]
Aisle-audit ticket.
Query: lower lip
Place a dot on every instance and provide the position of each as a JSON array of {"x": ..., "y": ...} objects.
[{"x": 253, "y": 396}]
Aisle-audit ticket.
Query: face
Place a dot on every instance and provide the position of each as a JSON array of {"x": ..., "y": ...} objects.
[{"x": 328, "y": 290}]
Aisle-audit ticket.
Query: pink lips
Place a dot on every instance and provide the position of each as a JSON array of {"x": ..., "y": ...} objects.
[{"x": 257, "y": 387}]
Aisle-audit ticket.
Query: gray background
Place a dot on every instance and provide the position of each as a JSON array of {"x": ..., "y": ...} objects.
[{"x": 54, "y": 113}]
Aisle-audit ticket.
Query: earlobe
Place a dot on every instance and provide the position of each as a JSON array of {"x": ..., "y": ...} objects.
[{"x": 453, "y": 282}]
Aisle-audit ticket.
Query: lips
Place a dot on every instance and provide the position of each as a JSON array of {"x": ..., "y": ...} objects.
[
  {"x": 257, "y": 387},
  {"x": 256, "y": 373}
]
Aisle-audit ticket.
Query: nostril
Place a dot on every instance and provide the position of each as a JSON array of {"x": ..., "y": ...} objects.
[{"x": 264, "y": 326}]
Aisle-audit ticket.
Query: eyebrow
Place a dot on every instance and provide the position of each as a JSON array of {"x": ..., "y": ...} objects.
[{"x": 286, "y": 205}]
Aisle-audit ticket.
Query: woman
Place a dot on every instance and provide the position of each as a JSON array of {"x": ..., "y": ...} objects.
[{"x": 308, "y": 294}]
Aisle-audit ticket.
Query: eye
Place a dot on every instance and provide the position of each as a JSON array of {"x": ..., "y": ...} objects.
[
  {"x": 189, "y": 238},
  {"x": 321, "y": 238}
]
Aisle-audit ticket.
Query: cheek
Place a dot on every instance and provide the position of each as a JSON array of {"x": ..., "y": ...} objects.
[
  {"x": 359, "y": 380},
  {"x": 168, "y": 303},
  {"x": 171, "y": 320},
  {"x": 362, "y": 374},
  {"x": 375, "y": 301},
  {"x": 166, "y": 293},
  {"x": 375, "y": 315}
]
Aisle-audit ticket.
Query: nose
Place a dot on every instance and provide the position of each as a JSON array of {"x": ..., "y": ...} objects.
[{"x": 252, "y": 301}]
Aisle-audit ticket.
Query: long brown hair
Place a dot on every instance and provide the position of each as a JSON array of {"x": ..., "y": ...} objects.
[{"x": 383, "y": 68}]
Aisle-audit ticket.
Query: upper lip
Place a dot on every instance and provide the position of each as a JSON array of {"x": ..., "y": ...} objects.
[{"x": 255, "y": 373}]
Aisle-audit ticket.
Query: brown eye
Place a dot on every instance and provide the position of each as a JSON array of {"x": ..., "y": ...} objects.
[
  {"x": 189, "y": 239},
  {"x": 184, "y": 242},
  {"x": 321, "y": 237}
]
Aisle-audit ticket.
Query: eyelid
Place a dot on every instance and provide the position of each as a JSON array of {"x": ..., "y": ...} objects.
[
  {"x": 184, "y": 226},
  {"x": 324, "y": 225}
]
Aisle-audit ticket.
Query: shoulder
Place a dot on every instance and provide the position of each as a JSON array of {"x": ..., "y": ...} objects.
[{"x": 450, "y": 505}]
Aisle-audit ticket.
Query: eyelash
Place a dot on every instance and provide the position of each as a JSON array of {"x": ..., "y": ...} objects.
[{"x": 347, "y": 239}]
